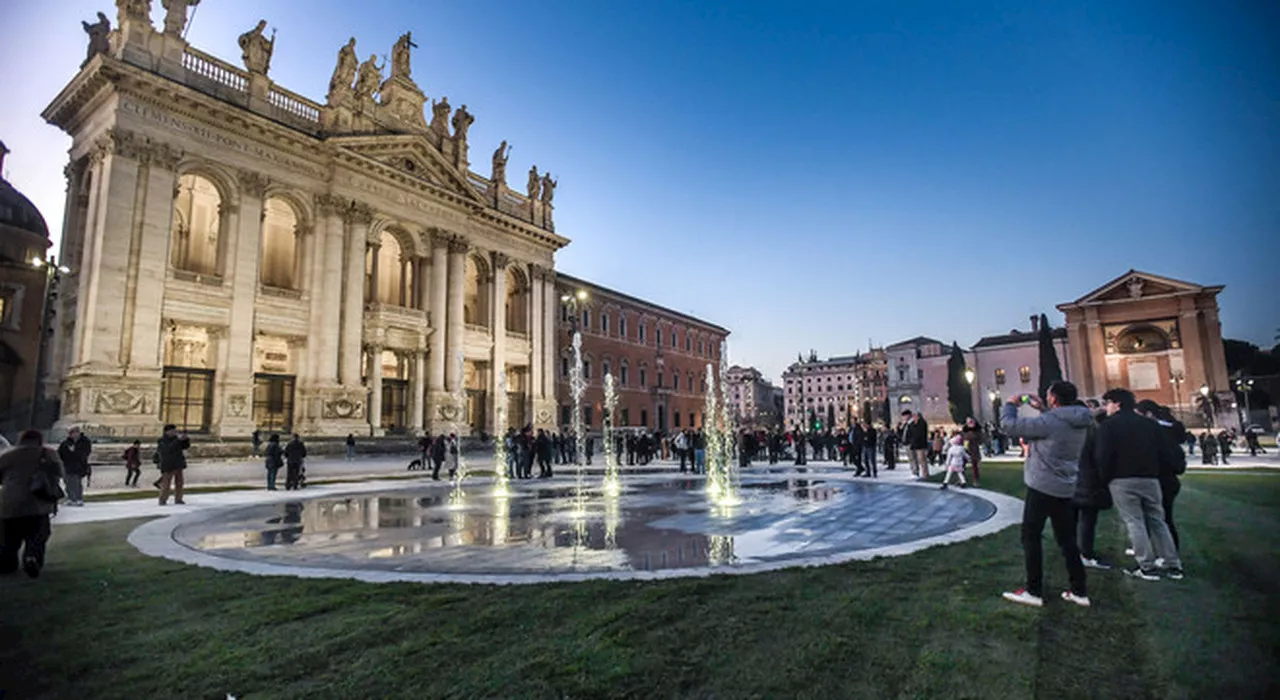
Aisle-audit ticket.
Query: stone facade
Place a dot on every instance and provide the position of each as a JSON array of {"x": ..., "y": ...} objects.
[
  {"x": 821, "y": 392},
  {"x": 751, "y": 399},
  {"x": 1159, "y": 337},
  {"x": 906, "y": 363},
  {"x": 243, "y": 257},
  {"x": 658, "y": 357}
]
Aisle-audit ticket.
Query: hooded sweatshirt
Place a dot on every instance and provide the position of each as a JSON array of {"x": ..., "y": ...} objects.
[{"x": 1054, "y": 441}]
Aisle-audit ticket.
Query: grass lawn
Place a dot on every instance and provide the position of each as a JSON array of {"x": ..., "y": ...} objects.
[{"x": 107, "y": 622}]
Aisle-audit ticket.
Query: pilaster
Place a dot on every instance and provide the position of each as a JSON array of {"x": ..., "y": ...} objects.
[
  {"x": 375, "y": 390},
  {"x": 498, "y": 324},
  {"x": 234, "y": 379},
  {"x": 436, "y": 396},
  {"x": 454, "y": 327},
  {"x": 358, "y": 218}
]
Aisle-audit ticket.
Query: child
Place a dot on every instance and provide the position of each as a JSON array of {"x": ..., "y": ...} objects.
[
  {"x": 133, "y": 464},
  {"x": 956, "y": 458}
]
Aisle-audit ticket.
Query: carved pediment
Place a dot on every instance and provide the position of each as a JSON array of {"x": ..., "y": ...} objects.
[
  {"x": 1134, "y": 285},
  {"x": 411, "y": 156}
]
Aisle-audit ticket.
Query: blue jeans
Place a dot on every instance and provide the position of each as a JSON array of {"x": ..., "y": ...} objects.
[
  {"x": 271, "y": 478},
  {"x": 700, "y": 460},
  {"x": 351, "y": 451},
  {"x": 869, "y": 459}
]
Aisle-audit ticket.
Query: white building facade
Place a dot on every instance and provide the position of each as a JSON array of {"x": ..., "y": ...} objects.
[{"x": 245, "y": 258}]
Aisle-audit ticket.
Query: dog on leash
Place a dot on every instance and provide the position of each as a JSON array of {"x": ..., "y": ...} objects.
[{"x": 416, "y": 465}]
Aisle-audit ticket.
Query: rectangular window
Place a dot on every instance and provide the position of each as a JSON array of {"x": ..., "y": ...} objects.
[
  {"x": 586, "y": 369},
  {"x": 622, "y": 326},
  {"x": 674, "y": 343},
  {"x": 1024, "y": 373},
  {"x": 586, "y": 320},
  {"x": 604, "y": 323},
  {"x": 644, "y": 418},
  {"x": 659, "y": 384},
  {"x": 605, "y": 369},
  {"x": 586, "y": 416},
  {"x": 186, "y": 398},
  {"x": 675, "y": 418},
  {"x": 564, "y": 366},
  {"x": 999, "y": 377},
  {"x": 626, "y": 416},
  {"x": 642, "y": 332},
  {"x": 688, "y": 343},
  {"x": 564, "y": 313},
  {"x": 626, "y": 374},
  {"x": 658, "y": 335},
  {"x": 643, "y": 378},
  {"x": 566, "y": 415},
  {"x": 701, "y": 351}
]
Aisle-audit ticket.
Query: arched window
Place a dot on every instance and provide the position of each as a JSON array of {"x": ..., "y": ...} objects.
[
  {"x": 475, "y": 301},
  {"x": 197, "y": 226},
  {"x": 279, "y": 265},
  {"x": 624, "y": 373},
  {"x": 605, "y": 368},
  {"x": 604, "y": 323},
  {"x": 517, "y": 301},
  {"x": 622, "y": 326},
  {"x": 394, "y": 272}
]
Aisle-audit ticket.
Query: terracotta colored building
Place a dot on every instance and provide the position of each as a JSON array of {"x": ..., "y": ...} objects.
[
  {"x": 658, "y": 357},
  {"x": 1159, "y": 337}
]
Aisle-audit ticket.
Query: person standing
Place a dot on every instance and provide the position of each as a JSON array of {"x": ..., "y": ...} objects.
[
  {"x": 437, "y": 456},
  {"x": 543, "y": 447},
  {"x": 453, "y": 455},
  {"x": 955, "y": 458},
  {"x": 1131, "y": 454},
  {"x": 1054, "y": 441},
  {"x": 916, "y": 436},
  {"x": 256, "y": 439},
  {"x": 24, "y": 513},
  {"x": 1208, "y": 448},
  {"x": 74, "y": 453},
  {"x": 1224, "y": 446},
  {"x": 890, "y": 449},
  {"x": 171, "y": 455},
  {"x": 295, "y": 453},
  {"x": 972, "y": 434},
  {"x": 133, "y": 464},
  {"x": 274, "y": 460},
  {"x": 1091, "y": 496},
  {"x": 351, "y": 448},
  {"x": 1171, "y": 429},
  {"x": 869, "y": 441}
]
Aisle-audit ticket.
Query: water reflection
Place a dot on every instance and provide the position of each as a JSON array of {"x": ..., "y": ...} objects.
[{"x": 654, "y": 525}]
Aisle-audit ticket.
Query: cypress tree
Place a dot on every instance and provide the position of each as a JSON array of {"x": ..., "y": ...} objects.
[
  {"x": 1050, "y": 368},
  {"x": 959, "y": 393}
]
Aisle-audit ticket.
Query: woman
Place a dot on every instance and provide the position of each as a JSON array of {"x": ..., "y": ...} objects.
[
  {"x": 972, "y": 435},
  {"x": 1174, "y": 433},
  {"x": 275, "y": 460},
  {"x": 25, "y": 515},
  {"x": 1091, "y": 496}
]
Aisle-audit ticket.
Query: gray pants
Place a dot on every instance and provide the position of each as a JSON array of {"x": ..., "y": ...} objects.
[
  {"x": 1138, "y": 501},
  {"x": 75, "y": 488}
]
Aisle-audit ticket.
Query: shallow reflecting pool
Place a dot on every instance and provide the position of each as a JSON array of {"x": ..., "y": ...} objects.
[{"x": 655, "y": 523}]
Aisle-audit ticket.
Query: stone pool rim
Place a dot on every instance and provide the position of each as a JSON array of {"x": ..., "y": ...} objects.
[{"x": 156, "y": 538}]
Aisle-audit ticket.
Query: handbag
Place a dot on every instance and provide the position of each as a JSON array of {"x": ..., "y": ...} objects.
[{"x": 46, "y": 486}]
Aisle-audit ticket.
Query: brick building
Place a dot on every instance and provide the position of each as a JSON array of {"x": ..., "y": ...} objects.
[{"x": 658, "y": 357}]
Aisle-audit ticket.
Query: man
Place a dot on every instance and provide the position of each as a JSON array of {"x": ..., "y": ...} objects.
[
  {"x": 855, "y": 446},
  {"x": 172, "y": 457},
  {"x": 1131, "y": 454},
  {"x": 25, "y": 515},
  {"x": 682, "y": 449},
  {"x": 916, "y": 435},
  {"x": 543, "y": 447},
  {"x": 294, "y": 455},
  {"x": 74, "y": 453},
  {"x": 869, "y": 439},
  {"x": 1054, "y": 440},
  {"x": 437, "y": 456}
]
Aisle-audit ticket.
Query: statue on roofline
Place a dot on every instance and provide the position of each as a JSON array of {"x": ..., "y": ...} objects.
[
  {"x": 500, "y": 156},
  {"x": 440, "y": 116},
  {"x": 139, "y": 10},
  {"x": 175, "y": 18},
  {"x": 548, "y": 188},
  {"x": 256, "y": 49},
  {"x": 345, "y": 72},
  {"x": 400, "y": 56},
  {"x": 462, "y": 121},
  {"x": 369, "y": 78},
  {"x": 534, "y": 184},
  {"x": 98, "y": 33}
]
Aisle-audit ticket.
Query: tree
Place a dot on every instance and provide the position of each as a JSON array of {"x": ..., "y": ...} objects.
[
  {"x": 1209, "y": 407},
  {"x": 1050, "y": 369},
  {"x": 959, "y": 392}
]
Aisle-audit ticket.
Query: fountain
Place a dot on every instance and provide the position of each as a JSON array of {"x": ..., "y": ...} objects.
[
  {"x": 500, "y": 467},
  {"x": 457, "y": 495},
  {"x": 612, "y": 481},
  {"x": 577, "y": 386},
  {"x": 718, "y": 429}
]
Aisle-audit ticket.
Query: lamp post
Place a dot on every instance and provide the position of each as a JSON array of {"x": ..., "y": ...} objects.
[
  {"x": 1177, "y": 376},
  {"x": 53, "y": 272},
  {"x": 1244, "y": 386},
  {"x": 969, "y": 376},
  {"x": 1204, "y": 395}
]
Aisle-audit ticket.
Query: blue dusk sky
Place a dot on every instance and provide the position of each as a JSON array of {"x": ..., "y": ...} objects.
[{"x": 816, "y": 175}]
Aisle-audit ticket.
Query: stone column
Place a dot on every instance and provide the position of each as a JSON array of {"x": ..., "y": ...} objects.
[
  {"x": 326, "y": 292},
  {"x": 546, "y": 355},
  {"x": 498, "y": 324},
  {"x": 417, "y": 390},
  {"x": 455, "y": 330},
  {"x": 371, "y": 294},
  {"x": 536, "y": 337},
  {"x": 1097, "y": 349},
  {"x": 359, "y": 217},
  {"x": 375, "y": 390},
  {"x": 436, "y": 341},
  {"x": 234, "y": 384},
  {"x": 420, "y": 279}
]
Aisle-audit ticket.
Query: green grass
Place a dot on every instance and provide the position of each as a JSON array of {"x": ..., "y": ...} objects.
[{"x": 105, "y": 621}]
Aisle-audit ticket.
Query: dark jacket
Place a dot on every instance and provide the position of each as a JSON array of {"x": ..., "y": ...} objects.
[
  {"x": 916, "y": 435},
  {"x": 1130, "y": 446},
  {"x": 171, "y": 453},
  {"x": 17, "y": 466},
  {"x": 75, "y": 455},
  {"x": 437, "y": 449},
  {"x": 275, "y": 455},
  {"x": 1176, "y": 434},
  {"x": 1091, "y": 492},
  {"x": 295, "y": 452}
]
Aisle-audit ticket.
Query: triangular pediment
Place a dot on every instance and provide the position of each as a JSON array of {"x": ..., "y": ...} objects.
[
  {"x": 410, "y": 155},
  {"x": 1134, "y": 285}
]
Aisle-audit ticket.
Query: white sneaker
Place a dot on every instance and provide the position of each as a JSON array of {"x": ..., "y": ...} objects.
[
  {"x": 1082, "y": 601},
  {"x": 1130, "y": 552},
  {"x": 1094, "y": 564},
  {"x": 1022, "y": 596}
]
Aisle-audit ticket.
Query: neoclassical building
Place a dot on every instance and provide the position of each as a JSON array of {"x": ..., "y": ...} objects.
[{"x": 244, "y": 257}]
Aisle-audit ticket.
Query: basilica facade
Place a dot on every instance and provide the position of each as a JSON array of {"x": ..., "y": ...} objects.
[{"x": 243, "y": 257}]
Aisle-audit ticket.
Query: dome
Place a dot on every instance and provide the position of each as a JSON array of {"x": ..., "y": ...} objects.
[{"x": 15, "y": 209}]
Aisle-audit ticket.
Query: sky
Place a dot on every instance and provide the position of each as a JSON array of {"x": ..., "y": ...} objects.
[{"x": 815, "y": 175}]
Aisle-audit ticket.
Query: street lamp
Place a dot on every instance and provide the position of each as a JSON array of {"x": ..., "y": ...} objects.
[
  {"x": 1204, "y": 394},
  {"x": 574, "y": 302},
  {"x": 1176, "y": 376},
  {"x": 53, "y": 274},
  {"x": 1244, "y": 386}
]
